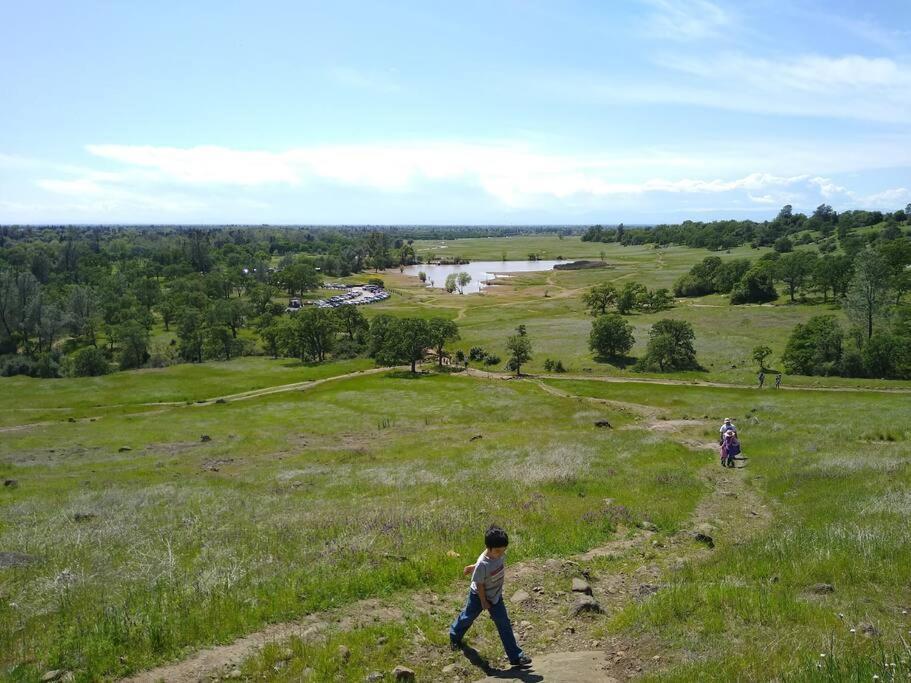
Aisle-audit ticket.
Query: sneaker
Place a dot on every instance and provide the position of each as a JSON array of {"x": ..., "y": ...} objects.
[{"x": 522, "y": 661}]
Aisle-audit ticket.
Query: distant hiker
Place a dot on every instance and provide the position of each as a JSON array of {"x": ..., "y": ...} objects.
[
  {"x": 487, "y": 594},
  {"x": 761, "y": 379},
  {"x": 730, "y": 448},
  {"x": 778, "y": 381},
  {"x": 728, "y": 426}
]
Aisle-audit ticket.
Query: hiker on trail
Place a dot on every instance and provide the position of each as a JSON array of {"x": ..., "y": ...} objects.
[
  {"x": 726, "y": 427},
  {"x": 761, "y": 379},
  {"x": 487, "y": 594},
  {"x": 730, "y": 448},
  {"x": 778, "y": 381}
]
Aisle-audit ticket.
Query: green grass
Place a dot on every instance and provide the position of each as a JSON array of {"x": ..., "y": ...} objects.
[
  {"x": 301, "y": 501},
  {"x": 841, "y": 517},
  {"x": 314, "y": 498},
  {"x": 559, "y": 325}
]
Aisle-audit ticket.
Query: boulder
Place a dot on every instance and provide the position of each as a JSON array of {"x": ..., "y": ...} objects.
[
  {"x": 585, "y": 603},
  {"x": 402, "y": 673},
  {"x": 581, "y": 586},
  {"x": 519, "y": 597}
]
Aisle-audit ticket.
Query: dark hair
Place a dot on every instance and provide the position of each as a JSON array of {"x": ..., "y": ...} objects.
[{"x": 495, "y": 537}]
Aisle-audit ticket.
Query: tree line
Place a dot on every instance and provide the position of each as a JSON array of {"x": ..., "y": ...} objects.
[{"x": 825, "y": 222}]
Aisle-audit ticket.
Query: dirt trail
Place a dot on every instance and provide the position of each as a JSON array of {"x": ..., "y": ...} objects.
[
  {"x": 565, "y": 648},
  {"x": 679, "y": 382}
]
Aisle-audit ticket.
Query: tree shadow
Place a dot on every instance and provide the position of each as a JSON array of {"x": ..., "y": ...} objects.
[
  {"x": 621, "y": 362},
  {"x": 406, "y": 374},
  {"x": 511, "y": 674}
]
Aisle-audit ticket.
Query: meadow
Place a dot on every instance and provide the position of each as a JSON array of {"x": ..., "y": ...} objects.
[{"x": 162, "y": 511}]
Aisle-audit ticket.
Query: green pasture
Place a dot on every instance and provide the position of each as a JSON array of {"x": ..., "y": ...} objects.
[
  {"x": 835, "y": 468},
  {"x": 549, "y": 305},
  {"x": 299, "y": 501}
]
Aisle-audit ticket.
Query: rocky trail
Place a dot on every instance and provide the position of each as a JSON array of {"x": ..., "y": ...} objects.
[{"x": 559, "y": 606}]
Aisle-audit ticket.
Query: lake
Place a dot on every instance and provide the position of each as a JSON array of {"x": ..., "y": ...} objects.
[{"x": 480, "y": 271}]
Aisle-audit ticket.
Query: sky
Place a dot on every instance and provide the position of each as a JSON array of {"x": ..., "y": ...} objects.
[{"x": 489, "y": 112}]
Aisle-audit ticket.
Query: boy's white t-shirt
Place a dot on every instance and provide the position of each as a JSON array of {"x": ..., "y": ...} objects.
[{"x": 491, "y": 573}]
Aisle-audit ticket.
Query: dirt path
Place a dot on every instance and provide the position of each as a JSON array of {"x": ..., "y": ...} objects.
[
  {"x": 483, "y": 374},
  {"x": 565, "y": 648}
]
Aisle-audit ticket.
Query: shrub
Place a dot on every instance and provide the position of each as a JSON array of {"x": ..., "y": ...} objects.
[
  {"x": 756, "y": 286},
  {"x": 476, "y": 353},
  {"x": 815, "y": 347},
  {"x": 90, "y": 362}
]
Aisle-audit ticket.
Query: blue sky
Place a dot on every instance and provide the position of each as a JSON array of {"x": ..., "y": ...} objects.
[{"x": 437, "y": 113}]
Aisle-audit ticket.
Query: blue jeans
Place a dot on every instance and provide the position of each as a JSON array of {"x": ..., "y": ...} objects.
[{"x": 500, "y": 617}]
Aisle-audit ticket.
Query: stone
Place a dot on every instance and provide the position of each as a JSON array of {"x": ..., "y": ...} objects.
[
  {"x": 822, "y": 588},
  {"x": 585, "y": 603},
  {"x": 52, "y": 675},
  {"x": 603, "y": 424},
  {"x": 16, "y": 559},
  {"x": 344, "y": 653},
  {"x": 476, "y": 437},
  {"x": 205, "y": 437},
  {"x": 647, "y": 525},
  {"x": 519, "y": 597},
  {"x": 83, "y": 516},
  {"x": 124, "y": 449},
  {"x": 374, "y": 677},
  {"x": 402, "y": 673},
  {"x": 71, "y": 419},
  {"x": 220, "y": 400},
  {"x": 869, "y": 630},
  {"x": 234, "y": 674},
  {"x": 702, "y": 537},
  {"x": 10, "y": 483},
  {"x": 581, "y": 586},
  {"x": 648, "y": 589},
  {"x": 451, "y": 669}
]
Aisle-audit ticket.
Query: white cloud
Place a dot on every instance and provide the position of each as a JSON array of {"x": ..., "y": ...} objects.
[
  {"x": 893, "y": 197},
  {"x": 686, "y": 20},
  {"x": 513, "y": 174},
  {"x": 845, "y": 87}
]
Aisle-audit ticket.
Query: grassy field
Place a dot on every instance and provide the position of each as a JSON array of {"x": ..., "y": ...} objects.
[
  {"x": 549, "y": 305},
  {"x": 158, "y": 521}
]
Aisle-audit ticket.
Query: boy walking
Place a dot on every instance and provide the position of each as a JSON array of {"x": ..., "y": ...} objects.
[{"x": 487, "y": 594}]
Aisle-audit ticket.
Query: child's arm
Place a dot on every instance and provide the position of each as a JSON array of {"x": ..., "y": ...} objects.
[
  {"x": 482, "y": 596},
  {"x": 468, "y": 569}
]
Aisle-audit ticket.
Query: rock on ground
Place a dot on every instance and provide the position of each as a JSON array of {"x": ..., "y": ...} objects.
[
  {"x": 585, "y": 603},
  {"x": 581, "y": 586},
  {"x": 401, "y": 673},
  {"x": 561, "y": 667}
]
